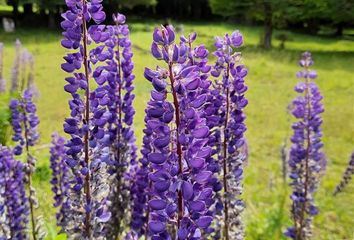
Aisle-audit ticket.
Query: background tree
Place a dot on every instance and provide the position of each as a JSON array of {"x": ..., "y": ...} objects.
[
  {"x": 269, "y": 12},
  {"x": 341, "y": 13}
]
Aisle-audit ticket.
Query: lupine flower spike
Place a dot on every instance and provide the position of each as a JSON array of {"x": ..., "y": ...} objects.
[
  {"x": 306, "y": 159},
  {"x": 24, "y": 122},
  {"x": 60, "y": 179},
  {"x": 2, "y": 80},
  {"x": 347, "y": 176},
  {"x": 175, "y": 142},
  {"x": 14, "y": 208},
  {"x": 114, "y": 98},
  {"x": 100, "y": 124},
  {"x": 15, "y": 72},
  {"x": 230, "y": 99}
]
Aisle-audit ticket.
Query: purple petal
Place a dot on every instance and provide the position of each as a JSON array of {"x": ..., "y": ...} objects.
[
  {"x": 157, "y": 204},
  {"x": 197, "y": 162},
  {"x": 157, "y": 158},
  {"x": 197, "y": 206},
  {"x": 187, "y": 190},
  {"x": 203, "y": 177},
  {"x": 156, "y": 227},
  {"x": 156, "y": 51},
  {"x": 201, "y": 132},
  {"x": 204, "y": 222}
]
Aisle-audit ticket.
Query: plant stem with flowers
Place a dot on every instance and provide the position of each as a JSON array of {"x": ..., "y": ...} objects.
[
  {"x": 230, "y": 91},
  {"x": 306, "y": 159}
]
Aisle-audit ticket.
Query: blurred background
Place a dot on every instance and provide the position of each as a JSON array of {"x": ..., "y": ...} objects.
[
  {"x": 276, "y": 32},
  {"x": 322, "y": 17}
]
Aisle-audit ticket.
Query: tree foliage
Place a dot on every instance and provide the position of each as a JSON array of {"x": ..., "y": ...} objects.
[{"x": 133, "y": 3}]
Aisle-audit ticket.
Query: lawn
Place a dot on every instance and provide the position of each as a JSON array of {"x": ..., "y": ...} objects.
[{"x": 271, "y": 80}]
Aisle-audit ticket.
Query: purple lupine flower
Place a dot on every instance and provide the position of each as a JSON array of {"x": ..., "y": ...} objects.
[
  {"x": 230, "y": 100},
  {"x": 306, "y": 159},
  {"x": 89, "y": 151},
  {"x": 14, "y": 206},
  {"x": 28, "y": 72},
  {"x": 113, "y": 111},
  {"x": 199, "y": 56},
  {"x": 347, "y": 176},
  {"x": 2, "y": 80},
  {"x": 60, "y": 179},
  {"x": 24, "y": 121},
  {"x": 15, "y": 71},
  {"x": 178, "y": 151},
  {"x": 141, "y": 186}
]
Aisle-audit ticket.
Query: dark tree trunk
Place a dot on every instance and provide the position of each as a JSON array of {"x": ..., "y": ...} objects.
[
  {"x": 196, "y": 10},
  {"x": 14, "y": 4},
  {"x": 266, "y": 41},
  {"x": 28, "y": 9},
  {"x": 339, "y": 30},
  {"x": 111, "y": 8},
  {"x": 51, "y": 20}
]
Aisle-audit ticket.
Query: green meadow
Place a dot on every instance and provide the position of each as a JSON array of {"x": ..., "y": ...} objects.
[{"x": 271, "y": 81}]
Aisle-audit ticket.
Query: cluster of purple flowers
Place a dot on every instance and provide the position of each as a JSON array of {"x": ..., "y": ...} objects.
[
  {"x": 347, "y": 176},
  {"x": 22, "y": 75},
  {"x": 87, "y": 148},
  {"x": 24, "y": 121},
  {"x": 176, "y": 189},
  {"x": 14, "y": 208},
  {"x": 102, "y": 142},
  {"x": 180, "y": 192},
  {"x": 19, "y": 211},
  {"x": 306, "y": 159},
  {"x": 229, "y": 96},
  {"x": 60, "y": 178}
]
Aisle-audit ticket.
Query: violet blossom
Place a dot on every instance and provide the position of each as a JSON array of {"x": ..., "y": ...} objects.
[
  {"x": 113, "y": 112},
  {"x": 14, "y": 208},
  {"x": 179, "y": 176},
  {"x": 60, "y": 179},
  {"x": 15, "y": 71},
  {"x": 347, "y": 176},
  {"x": 100, "y": 123},
  {"x": 141, "y": 186},
  {"x": 306, "y": 159},
  {"x": 229, "y": 97},
  {"x": 24, "y": 121}
]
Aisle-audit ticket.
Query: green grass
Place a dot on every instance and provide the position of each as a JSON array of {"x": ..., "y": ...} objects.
[{"x": 271, "y": 80}]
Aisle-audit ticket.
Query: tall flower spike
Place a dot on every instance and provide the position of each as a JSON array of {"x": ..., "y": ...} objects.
[
  {"x": 15, "y": 72},
  {"x": 306, "y": 159},
  {"x": 14, "y": 207},
  {"x": 88, "y": 152},
  {"x": 24, "y": 122},
  {"x": 140, "y": 186},
  {"x": 28, "y": 72},
  {"x": 177, "y": 155},
  {"x": 60, "y": 179},
  {"x": 347, "y": 176},
  {"x": 113, "y": 113},
  {"x": 230, "y": 99},
  {"x": 2, "y": 80}
]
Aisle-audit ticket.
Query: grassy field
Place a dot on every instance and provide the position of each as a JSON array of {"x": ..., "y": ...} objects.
[{"x": 271, "y": 80}]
